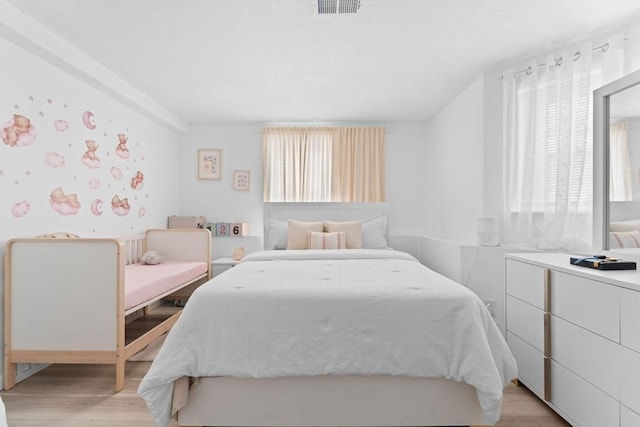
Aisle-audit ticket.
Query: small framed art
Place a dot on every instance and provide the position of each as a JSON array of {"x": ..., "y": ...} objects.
[
  {"x": 241, "y": 180},
  {"x": 209, "y": 163}
]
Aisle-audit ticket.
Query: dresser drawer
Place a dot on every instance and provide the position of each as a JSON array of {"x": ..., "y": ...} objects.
[
  {"x": 526, "y": 282},
  {"x": 630, "y": 379},
  {"x": 630, "y": 319},
  {"x": 590, "y": 356},
  {"x": 581, "y": 401},
  {"x": 526, "y": 321},
  {"x": 628, "y": 418},
  {"x": 530, "y": 364},
  {"x": 588, "y": 303}
]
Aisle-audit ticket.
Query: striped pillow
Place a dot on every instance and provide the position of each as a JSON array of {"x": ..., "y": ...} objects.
[
  {"x": 624, "y": 239},
  {"x": 317, "y": 240}
]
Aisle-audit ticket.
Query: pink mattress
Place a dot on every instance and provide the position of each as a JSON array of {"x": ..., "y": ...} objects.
[{"x": 144, "y": 282}]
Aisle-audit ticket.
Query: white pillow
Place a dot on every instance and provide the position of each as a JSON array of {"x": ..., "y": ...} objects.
[
  {"x": 353, "y": 230},
  {"x": 374, "y": 233},
  {"x": 298, "y": 230},
  {"x": 631, "y": 225},
  {"x": 336, "y": 240},
  {"x": 275, "y": 234},
  {"x": 624, "y": 239}
]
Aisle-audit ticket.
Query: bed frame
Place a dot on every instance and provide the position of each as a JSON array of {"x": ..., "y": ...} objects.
[
  {"x": 326, "y": 400},
  {"x": 64, "y": 298},
  {"x": 330, "y": 401}
]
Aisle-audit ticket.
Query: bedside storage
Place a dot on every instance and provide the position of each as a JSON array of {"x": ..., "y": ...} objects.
[
  {"x": 575, "y": 334},
  {"x": 221, "y": 265}
]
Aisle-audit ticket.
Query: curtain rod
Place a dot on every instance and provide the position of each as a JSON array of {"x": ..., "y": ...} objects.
[{"x": 558, "y": 61}]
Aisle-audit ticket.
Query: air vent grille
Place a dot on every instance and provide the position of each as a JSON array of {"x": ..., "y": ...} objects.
[{"x": 337, "y": 7}]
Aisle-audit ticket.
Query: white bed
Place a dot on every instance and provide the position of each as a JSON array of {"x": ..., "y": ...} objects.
[{"x": 330, "y": 337}]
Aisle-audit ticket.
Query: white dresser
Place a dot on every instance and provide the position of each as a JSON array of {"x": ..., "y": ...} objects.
[{"x": 575, "y": 334}]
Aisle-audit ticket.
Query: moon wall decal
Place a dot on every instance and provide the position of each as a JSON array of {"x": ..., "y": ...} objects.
[{"x": 87, "y": 119}]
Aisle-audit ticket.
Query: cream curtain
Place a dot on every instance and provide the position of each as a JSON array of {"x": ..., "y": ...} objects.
[
  {"x": 358, "y": 172},
  {"x": 324, "y": 164}
]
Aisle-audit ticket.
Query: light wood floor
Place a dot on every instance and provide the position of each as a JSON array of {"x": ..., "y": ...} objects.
[{"x": 82, "y": 395}]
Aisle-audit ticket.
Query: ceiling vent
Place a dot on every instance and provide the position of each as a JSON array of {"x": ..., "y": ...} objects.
[{"x": 337, "y": 7}]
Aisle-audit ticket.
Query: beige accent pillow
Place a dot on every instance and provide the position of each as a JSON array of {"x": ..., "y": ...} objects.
[
  {"x": 297, "y": 231},
  {"x": 353, "y": 229},
  {"x": 327, "y": 240}
]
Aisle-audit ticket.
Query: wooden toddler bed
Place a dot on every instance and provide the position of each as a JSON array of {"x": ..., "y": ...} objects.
[{"x": 73, "y": 300}]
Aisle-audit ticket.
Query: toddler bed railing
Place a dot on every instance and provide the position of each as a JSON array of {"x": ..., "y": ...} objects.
[{"x": 67, "y": 300}]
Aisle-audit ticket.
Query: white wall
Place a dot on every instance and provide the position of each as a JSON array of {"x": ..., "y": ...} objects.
[
  {"x": 465, "y": 170},
  {"x": 455, "y": 166},
  {"x": 241, "y": 147}
]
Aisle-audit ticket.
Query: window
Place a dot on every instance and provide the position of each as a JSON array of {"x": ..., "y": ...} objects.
[
  {"x": 548, "y": 135},
  {"x": 323, "y": 164}
]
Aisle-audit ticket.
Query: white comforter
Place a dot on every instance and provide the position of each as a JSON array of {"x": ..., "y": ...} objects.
[{"x": 288, "y": 313}]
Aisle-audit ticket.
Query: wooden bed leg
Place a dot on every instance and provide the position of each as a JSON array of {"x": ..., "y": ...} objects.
[
  {"x": 120, "y": 369},
  {"x": 9, "y": 374}
]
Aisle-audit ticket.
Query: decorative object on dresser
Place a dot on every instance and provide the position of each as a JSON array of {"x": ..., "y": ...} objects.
[
  {"x": 574, "y": 333},
  {"x": 603, "y": 262}
]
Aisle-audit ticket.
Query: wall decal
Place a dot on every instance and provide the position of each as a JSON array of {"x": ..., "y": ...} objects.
[
  {"x": 54, "y": 160},
  {"x": 89, "y": 158},
  {"x": 18, "y": 131},
  {"x": 20, "y": 209},
  {"x": 96, "y": 207},
  {"x": 64, "y": 204},
  {"x": 65, "y": 131},
  {"x": 121, "y": 149},
  {"x": 116, "y": 173},
  {"x": 87, "y": 119},
  {"x": 137, "y": 182},
  {"x": 119, "y": 206},
  {"x": 60, "y": 125}
]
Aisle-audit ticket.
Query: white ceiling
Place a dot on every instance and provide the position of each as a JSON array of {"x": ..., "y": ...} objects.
[{"x": 277, "y": 61}]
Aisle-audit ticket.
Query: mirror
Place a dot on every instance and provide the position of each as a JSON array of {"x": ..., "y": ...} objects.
[{"x": 616, "y": 175}]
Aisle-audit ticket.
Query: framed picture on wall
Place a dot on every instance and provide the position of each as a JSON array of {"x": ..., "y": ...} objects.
[
  {"x": 209, "y": 163},
  {"x": 241, "y": 180}
]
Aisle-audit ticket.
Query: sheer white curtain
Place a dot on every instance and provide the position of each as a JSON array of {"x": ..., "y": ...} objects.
[
  {"x": 548, "y": 176},
  {"x": 620, "y": 187}
]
